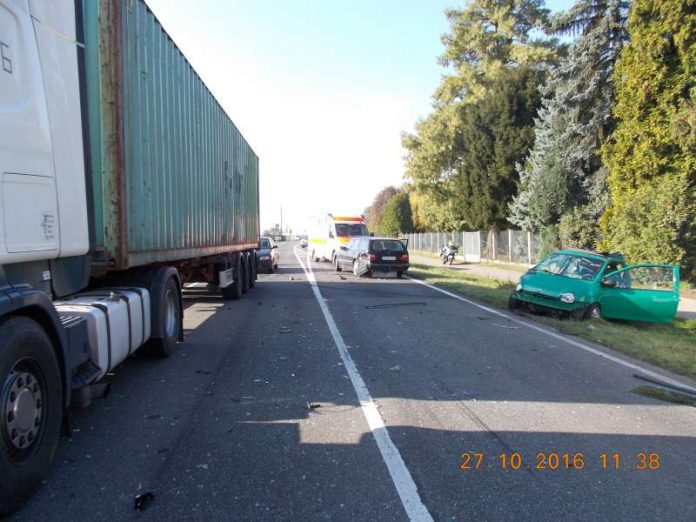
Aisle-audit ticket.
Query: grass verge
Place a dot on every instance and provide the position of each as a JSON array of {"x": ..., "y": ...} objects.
[{"x": 671, "y": 346}]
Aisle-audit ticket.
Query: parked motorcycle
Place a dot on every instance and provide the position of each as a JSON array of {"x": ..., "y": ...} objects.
[{"x": 447, "y": 254}]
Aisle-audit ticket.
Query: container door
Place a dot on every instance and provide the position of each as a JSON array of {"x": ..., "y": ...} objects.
[{"x": 641, "y": 293}]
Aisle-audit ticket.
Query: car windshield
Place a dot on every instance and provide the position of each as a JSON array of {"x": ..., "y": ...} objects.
[
  {"x": 349, "y": 229},
  {"x": 384, "y": 245},
  {"x": 265, "y": 243},
  {"x": 571, "y": 265}
]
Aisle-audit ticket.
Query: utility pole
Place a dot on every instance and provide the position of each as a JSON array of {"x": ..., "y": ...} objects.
[{"x": 281, "y": 220}]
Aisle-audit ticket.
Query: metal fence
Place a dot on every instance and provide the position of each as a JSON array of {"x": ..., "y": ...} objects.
[{"x": 513, "y": 246}]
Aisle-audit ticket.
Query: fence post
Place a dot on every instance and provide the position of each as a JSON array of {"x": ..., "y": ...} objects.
[
  {"x": 529, "y": 247},
  {"x": 510, "y": 244},
  {"x": 463, "y": 248},
  {"x": 494, "y": 246}
]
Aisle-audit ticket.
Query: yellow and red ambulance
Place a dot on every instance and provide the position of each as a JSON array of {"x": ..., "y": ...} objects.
[{"x": 327, "y": 233}]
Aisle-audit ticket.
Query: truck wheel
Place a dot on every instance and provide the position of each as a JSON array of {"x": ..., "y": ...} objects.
[
  {"x": 252, "y": 270},
  {"x": 245, "y": 273},
  {"x": 167, "y": 322},
  {"x": 31, "y": 404},
  {"x": 234, "y": 291}
]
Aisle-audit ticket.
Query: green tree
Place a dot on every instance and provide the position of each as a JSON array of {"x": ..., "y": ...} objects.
[
  {"x": 563, "y": 174},
  {"x": 487, "y": 39},
  {"x": 373, "y": 213},
  {"x": 397, "y": 217},
  {"x": 495, "y": 135},
  {"x": 651, "y": 155}
]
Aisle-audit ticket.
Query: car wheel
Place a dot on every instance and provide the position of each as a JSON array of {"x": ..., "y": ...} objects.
[
  {"x": 31, "y": 402},
  {"x": 399, "y": 274},
  {"x": 514, "y": 303},
  {"x": 592, "y": 312},
  {"x": 337, "y": 265}
]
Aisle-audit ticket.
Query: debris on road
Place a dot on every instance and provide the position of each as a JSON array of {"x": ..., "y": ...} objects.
[
  {"x": 390, "y": 305},
  {"x": 313, "y": 405},
  {"x": 395, "y": 368},
  {"x": 508, "y": 327},
  {"x": 140, "y": 502}
]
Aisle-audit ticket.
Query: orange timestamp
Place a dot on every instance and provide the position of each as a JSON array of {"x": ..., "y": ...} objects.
[{"x": 552, "y": 461}]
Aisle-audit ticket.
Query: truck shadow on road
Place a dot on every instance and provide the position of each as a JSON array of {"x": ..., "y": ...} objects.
[{"x": 255, "y": 418}]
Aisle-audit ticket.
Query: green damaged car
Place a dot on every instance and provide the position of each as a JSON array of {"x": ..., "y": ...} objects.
[{"x": 586, "y": 285}]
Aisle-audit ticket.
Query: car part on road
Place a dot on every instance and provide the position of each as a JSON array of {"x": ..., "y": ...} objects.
[{"x": 30, "y": 408}]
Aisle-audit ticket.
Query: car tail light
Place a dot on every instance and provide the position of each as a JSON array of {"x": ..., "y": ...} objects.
[
  {"x": 373, "y": 258},
  {"x": 404, "y": 257}
]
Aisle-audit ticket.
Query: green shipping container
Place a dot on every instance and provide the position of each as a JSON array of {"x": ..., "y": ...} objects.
[{"x": 172, "y": 177}]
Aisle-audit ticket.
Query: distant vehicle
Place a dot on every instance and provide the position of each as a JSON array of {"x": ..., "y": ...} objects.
[
  {"x": 303, "y": 243},
  {"x": 588, "y": 285},
  {"x": 329, "y": 233},
  {"x": 267, "y": 255},
  {"x": 373, "y": 256}
]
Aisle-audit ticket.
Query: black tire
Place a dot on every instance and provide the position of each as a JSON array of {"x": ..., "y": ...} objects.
[
  {"x": 233, "y": 291},
  {"x": 166, "y": 327},
  {"x": 253, "y": 276},
  {"x": 245, "y": 273},
  {"x": 337, "y": 265},
  {"x": 314, "y": 256},
  {"x": 592, "y": 312},
  {"x": 26, "y": 350},
  {"x": 399, "y": 274},
  {"x": 514, "y": 303}
]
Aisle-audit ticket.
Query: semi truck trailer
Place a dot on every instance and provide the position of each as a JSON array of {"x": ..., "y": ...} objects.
[{"x": 121, "y": 179}]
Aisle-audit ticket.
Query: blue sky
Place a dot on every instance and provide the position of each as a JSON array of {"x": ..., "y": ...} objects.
[{"x": 322, "y": 90}]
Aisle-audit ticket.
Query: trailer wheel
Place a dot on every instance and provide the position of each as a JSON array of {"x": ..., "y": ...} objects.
[
  {"x": 252, "y": 270},
  {"x": 31, "y": 403},
  {"x": 166, "y": 324},
  {"x": 245, "y": 273},
  {"x": 234, "y": 290}
]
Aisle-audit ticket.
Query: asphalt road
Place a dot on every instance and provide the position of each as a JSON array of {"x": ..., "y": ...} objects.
[{"x": 256, "y": 417}]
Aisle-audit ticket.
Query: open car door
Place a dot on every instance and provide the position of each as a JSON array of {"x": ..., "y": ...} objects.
[{"x": 643, "y": 292}]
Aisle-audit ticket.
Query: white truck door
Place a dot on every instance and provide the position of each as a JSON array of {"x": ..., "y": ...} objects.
[{"x": 28, "y": 200}]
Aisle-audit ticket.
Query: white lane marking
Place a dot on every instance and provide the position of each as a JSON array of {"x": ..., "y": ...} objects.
[
  {"x": 405, "y": 486},
  {"x": 560, "y": 337}
]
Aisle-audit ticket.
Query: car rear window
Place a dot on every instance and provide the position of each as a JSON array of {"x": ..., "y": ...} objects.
[{"x": 387, "y": 245}]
